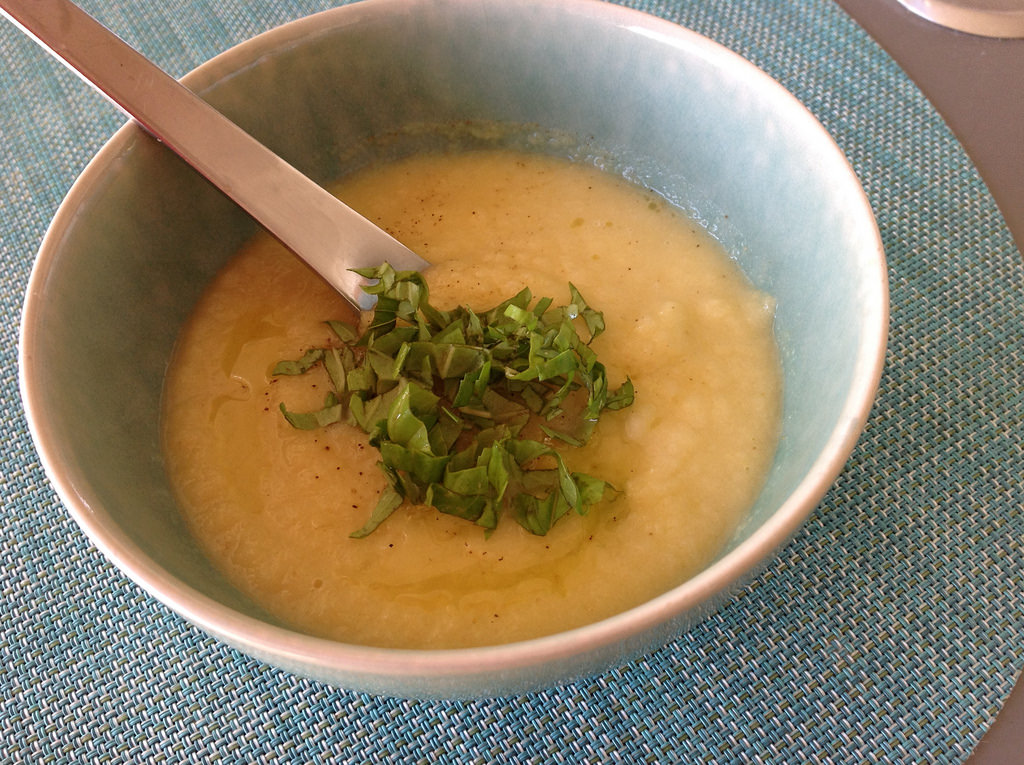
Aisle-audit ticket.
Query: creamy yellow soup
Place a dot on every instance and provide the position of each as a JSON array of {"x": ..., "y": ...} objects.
[{"x": 273, "y": 506}]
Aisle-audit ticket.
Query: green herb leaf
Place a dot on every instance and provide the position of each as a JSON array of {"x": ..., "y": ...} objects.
[
  {"x": 390, "y": 500},
  {"x": 309, "y": 359},
  {"x": 328, "y": 415}
]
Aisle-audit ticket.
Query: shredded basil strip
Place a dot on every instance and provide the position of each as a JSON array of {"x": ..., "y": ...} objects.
[{"x": 444, "y": 396}]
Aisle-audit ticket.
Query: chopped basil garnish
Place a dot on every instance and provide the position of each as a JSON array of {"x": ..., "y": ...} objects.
[{"x": 445, "y": 396}]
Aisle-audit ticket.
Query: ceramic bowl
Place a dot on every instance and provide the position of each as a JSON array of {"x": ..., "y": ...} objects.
[{"x": 139, "y": 237}]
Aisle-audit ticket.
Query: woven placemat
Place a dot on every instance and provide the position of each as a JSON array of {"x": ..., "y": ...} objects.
[{"x": 889, "y": 630}]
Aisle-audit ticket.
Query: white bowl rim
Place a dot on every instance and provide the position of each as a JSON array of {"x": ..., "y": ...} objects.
[{"x": 249, "y": 633}]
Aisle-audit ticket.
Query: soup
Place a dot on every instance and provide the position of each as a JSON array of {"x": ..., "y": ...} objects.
[{"x": 273, "y": 506}]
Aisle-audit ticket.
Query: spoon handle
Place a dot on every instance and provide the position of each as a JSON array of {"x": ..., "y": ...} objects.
[{"x": 328, "y": 235}]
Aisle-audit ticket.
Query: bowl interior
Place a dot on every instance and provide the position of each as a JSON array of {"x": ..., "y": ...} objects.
[{"x": 141, "y": 235}]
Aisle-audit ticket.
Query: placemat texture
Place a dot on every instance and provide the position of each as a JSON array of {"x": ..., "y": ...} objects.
[{"x": 888, "y": 630}]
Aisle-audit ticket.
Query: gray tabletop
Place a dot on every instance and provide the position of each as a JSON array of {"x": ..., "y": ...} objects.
[{"x": 977, "y": 85}]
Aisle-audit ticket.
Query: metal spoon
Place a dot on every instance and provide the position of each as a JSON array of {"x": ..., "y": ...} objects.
[{"x": 328, "y": 235}]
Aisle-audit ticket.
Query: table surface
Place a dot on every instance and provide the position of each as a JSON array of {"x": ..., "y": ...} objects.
[
  {"x": 977, "y": 84},
  {"x": 903, "y": 635}
]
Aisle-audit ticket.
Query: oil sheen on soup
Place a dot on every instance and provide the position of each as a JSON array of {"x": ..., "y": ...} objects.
[{"x": 273, "y": 507}]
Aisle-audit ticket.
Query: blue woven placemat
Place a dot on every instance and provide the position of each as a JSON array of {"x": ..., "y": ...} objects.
[{"x": 889, "y": 630}]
